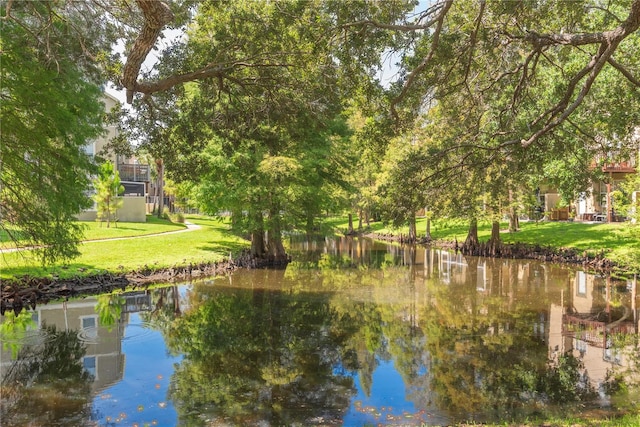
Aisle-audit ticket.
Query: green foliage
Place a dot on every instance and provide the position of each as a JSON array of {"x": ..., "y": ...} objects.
[
  {"x": 177, "y": 217},
  {"x": 400, "y": 188},
  {"x": 109, "y": 309},
  {"x": 225, "y": 362},
  {"x": 13, "y": 330},
  {"x": 621, "y": 202},
  {"x": 264, "y": 140},
  {"x": 564, "y": 381},
  {"x": 628, "y": 187},
  {"x": 107, "y": 193},
  {"x": 486, "y": 87},
  {"x": 50, "y": 109}
]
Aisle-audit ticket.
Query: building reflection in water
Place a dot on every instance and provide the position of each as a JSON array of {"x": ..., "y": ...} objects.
[
  {"x": 592, "y": 317},
  {"x": 103, "y": 358}
]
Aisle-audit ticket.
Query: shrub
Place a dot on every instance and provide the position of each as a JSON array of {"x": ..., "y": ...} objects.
[{"x": 178, "y": 217}]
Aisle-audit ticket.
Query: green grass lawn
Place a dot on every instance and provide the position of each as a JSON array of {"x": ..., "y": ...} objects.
[
  {"x": 619, "y": 241},
  {"x": 213, "y": 242},
  {"x": 95, "y": 230}
]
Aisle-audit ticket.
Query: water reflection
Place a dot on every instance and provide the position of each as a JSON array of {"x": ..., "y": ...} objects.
[
  {"x": 46, "y": 383},
  {"x": 253, "y": 355},
  {"x": 352, "y": 332}
]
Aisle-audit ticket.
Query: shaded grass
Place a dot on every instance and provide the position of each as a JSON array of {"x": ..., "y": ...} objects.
[{"x": 214, "y": 242}]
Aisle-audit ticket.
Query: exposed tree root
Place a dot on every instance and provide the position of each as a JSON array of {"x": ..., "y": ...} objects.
[{"x": 27, "y": 291}]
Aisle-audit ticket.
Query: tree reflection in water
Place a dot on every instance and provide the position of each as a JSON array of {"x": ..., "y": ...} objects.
[
  {"x": 286, "y": 347},
  {"x": 47, "y": 384},
  {"x": 358, "y": 335},
  {"x": 472, "y": 337},
  {"x": 254, "y": 356}
]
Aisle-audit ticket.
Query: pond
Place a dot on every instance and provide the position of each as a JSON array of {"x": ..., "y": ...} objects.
[{"x": 352, "y": 333}]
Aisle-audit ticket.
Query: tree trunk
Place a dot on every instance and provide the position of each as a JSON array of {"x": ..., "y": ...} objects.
[
  {"x": 360, "y": 220},
  {"x": 413, "y": 235},
  {"x": 428, "y": 232},
  {"x": 513, "y": 214},
  {"x": 236, "y": 219},
  {"x": 471, "y": 244},
  {"x": 275, "y": 247},
  {"x": 257, "y": 243},
  {"x": 160, "y": 186},
  {"x": 350, "y": 230},
  {"x": 258, "y": 247},
  {"x": 155, "y": 196},
  {"x": 309, "y": 227},
  {"x": 177, "y": 311},
  {"x": 494, "y": 243},
  {"x": 513, "y": 221},
  {"x": 108, "y": 201}
]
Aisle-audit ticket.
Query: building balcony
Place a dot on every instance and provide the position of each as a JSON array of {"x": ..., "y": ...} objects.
[
  {"x": 134, "y": 172},
  {"x": 623, "y": 167},
  {"x": 594, "y": 332}
]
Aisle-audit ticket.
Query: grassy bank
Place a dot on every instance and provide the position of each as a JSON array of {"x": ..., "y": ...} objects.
[
  {"x": 213, "y": 242},
  {"x": 620, "y": 242}
]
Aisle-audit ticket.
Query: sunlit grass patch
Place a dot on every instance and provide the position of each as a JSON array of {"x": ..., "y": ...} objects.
[
  {"x": 212, "y": 243},
  {"x": 94, "y": 230}
]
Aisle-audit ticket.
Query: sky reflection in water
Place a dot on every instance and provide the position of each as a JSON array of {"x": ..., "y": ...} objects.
[{"x": 141, "y": 395}]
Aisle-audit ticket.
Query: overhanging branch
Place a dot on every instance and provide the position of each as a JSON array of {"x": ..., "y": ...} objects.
[{"x": 156, "y": 15}]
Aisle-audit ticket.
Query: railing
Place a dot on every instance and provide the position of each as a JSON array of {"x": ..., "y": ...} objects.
[
  {"x": 619, "y": 167},
  {"x": 592, "y": 331},
  {"x": 137, "y": 303},
  {"x": 134, "y": 172}
]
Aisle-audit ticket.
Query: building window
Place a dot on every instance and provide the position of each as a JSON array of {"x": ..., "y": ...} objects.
[
  {"x": 89, "y": 326},
  {"x": 582, "y": 284},
  {"x": 89, "y": 364},
  {"x": 89, "y": 149}
]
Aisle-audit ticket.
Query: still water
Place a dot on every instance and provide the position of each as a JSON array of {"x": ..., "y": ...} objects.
[{"x": 351, "y": 333}]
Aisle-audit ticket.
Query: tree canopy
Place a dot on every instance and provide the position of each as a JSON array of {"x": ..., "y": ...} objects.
[
  {"x": 506, "y": 92},
  {"x": 518, "y": 86}
]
